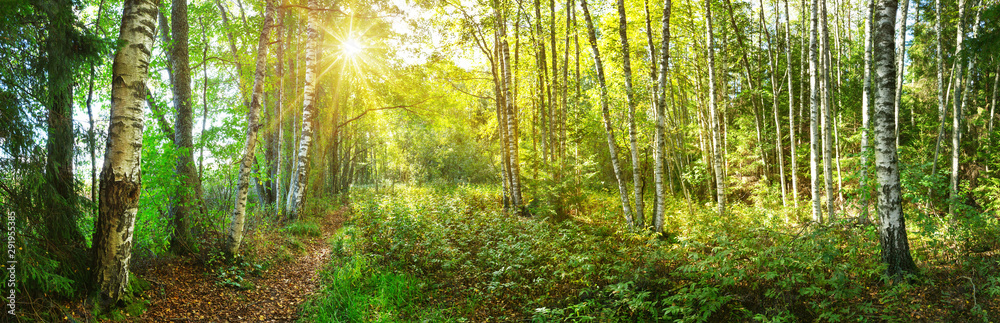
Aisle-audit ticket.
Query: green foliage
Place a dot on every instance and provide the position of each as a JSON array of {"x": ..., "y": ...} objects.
[
  {"x": 455, "y": 253},
  {"x": 159, "y": 183}
]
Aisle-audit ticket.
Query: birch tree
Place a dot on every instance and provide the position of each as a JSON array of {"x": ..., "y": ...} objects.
[
  {"x": 121, "y": 178},
  {"x": 717, "y": 154},
  {"x": 238, "y": 217},
  {"x": 630, "y": 100},
  {"x": 900, "y": 59},
  {"x": 661, "y": 110},
  {"x": 606, "y": 115},
  {"x": 296, "y": 189},
  {"x": 892, "y": 228},
  {"x": 814, "y": 139},
  {"x": 791, "y": 108},
  {"x": 956, "y": 134},
  {"x": 865, "y": 109},
  {"x": 775, "y": 88}
]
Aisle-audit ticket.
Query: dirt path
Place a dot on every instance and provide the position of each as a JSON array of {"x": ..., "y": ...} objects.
[{"x": 184, "y": 291}]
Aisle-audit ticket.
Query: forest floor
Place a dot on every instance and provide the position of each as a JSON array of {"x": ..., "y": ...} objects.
[{"x": 187, "y": 289}]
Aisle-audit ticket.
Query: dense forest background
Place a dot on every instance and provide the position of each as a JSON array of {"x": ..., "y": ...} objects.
[{"x": 500, "y": 160}]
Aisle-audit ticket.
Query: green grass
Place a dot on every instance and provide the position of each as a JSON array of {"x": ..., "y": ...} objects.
[{"x": 304, "y": 228}]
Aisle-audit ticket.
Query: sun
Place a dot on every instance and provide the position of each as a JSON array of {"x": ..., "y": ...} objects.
[{"x": 351, "y": 47}]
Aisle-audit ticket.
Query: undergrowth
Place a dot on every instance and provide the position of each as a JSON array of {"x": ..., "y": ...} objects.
[{"x": 450, "y": 254}]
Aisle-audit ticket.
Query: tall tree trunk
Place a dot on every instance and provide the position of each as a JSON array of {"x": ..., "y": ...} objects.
[
  {"x": 204, "y": 100},
  {"x": 512, "y": 124},
  {"x": 91, "y": 142},
  {"x": 296, "y": 192},
  {"x": 717, "y": 153},
  {"x": 237, "y": 219},
  {"x": 660, "y": 107},
  {"x": 606, "y": 115},
  {"x": 826, "y": 113},
  {"x": 640, "y": 218},
  {"x": 121, "y": 178},
  {"x": 184, "y": 206},
  {"x": 60, "y": 142},
  {"x": 892, "y": 230},
  {"x": 791, "y": 108},
  {"x": 279, "y": 106},
  {"x": 956, "y": 135},
  {"x": 814, "y": 93},
  {"x": 865, "y": 111},
  {"x": 775, "y": 88},
  {"x": 900, "y": 60}
]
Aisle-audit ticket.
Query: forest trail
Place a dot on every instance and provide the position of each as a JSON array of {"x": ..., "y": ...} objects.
[{"x": 187, "y": 291}]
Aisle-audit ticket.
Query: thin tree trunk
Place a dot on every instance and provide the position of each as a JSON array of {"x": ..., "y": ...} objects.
[
  {"x": 640, "y": 218},
  {"x": 791, "y": 108},
  {"x": 184, "y": 207},
  {"x": 279, "y": 106},
  {"x": 865, "y": 112},
  {"x": 660, "y": 108},
  {"x": 900, "y": 59},
  {"x": 775, "y": 88},
  {"x": 204, "y": 99},
  {"x": 956, "y": 135},
  {"x": 827, "y": 115},
  {"x": 511, "y": 110},
  {"x": 605, "y": 114},
  {"x": 237, "y": 219},
  {"x": 717, "y": 155},
  {"x": 814, "y": 134},
  {"x": 121, "y": 175},
  {"x": 892, "y": 231},
  {"x": 60, "y": 220},
  {"x": 296, "y": 193}
]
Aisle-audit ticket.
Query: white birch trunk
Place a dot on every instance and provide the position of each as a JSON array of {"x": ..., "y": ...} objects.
[
  {"x": 296, "y": 192},
  {"x": 640, "y": 218},
  {"x": 956, "y": 135},
  {"x": 121, "y": 178},
  {"x": 814, "y": 138},
  {"x": 900, "y": 60},
  {"x": 775, "y": 88},
  {"x": 237, "y": 219},
  {"x": 661, "y": 105},
  {"x": 791, "y": 108},
  {"x": 717, "y": 154},
  {"x": 865, "y": 110},
  {"x": 606, "y": 115},
  {"x": 827, "y": 114},
  {"x": 892, "y": 228}
]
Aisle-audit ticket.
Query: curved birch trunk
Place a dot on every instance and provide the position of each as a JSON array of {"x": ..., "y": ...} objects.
[
  {"x": 121, "y": 177},
  {"x": 606, "y": 115},
  {"x": 237, "y": 219}
]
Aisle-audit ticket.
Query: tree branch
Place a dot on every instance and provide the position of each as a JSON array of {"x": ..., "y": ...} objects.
[{"x": 404, "y": 107}]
